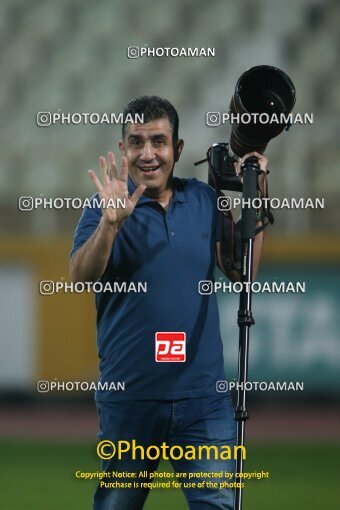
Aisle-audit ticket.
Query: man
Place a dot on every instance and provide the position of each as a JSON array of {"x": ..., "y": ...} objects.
[{"x": 166, "y": 235}]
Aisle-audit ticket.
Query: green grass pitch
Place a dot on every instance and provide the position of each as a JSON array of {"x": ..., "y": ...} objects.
[{"x": 40, "y": 476}]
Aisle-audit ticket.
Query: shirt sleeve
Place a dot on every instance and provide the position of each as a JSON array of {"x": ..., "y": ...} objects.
[
  {"x": 217, "y": 215},
  {"x": 88, "y": 223}
]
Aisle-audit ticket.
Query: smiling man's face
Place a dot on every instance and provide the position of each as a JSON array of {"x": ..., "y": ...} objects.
[{"x": 150, "y": 153}]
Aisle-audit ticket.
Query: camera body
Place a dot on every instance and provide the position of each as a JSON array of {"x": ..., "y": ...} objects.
[{"x": 221, "y": 168}]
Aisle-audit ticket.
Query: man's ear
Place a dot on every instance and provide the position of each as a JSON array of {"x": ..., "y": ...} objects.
[
  {"x": 122, "y": 148},
  {"x": 179, "y": 148}
]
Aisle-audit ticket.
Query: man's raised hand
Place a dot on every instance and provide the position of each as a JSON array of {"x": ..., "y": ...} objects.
[{"x": 114, "y": 187}]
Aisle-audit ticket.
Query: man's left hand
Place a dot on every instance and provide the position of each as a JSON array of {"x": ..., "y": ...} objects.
[{"x": 263, "y": 162}]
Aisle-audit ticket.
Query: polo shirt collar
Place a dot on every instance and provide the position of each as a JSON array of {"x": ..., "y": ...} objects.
[{"x": 178, "y": 193}]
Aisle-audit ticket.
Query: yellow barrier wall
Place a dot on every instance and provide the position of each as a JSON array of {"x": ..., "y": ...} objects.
[{"x": 66, "y": 322}]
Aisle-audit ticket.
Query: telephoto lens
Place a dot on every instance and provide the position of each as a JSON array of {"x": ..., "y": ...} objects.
[{"x": 263, "y": 98}]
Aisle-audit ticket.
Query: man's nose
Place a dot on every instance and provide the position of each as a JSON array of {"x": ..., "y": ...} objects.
[{"x": 147, "y": 152}]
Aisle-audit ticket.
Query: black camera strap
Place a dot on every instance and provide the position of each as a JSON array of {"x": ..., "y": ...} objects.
[{"x": 265, "y": 211}]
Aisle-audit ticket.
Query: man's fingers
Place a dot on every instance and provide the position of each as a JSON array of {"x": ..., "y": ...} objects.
[
  {"x": 124, "y": 170},
  {"x": 263, "y": 161},
  {"x": 96, "y": 181},
  {"x": 103, "y": 167},
  {"x": 137, "y": 194},
  {"x": 261, "y": 156},
  {"x": 254, "y": 153},
  {"x": 113, "y": 166},
  {"x": 237, "y": 166}
]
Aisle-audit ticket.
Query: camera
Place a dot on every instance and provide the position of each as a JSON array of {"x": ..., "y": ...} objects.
[{"x": 259, "y": 111}]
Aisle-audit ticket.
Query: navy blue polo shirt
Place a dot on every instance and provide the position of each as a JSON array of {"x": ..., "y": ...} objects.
[{"x": 171, "y": 251}]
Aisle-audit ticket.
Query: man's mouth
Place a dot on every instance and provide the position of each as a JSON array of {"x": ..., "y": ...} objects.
[{"x": 149, "y": 169}]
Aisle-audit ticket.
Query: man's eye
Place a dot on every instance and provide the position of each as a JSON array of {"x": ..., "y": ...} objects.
[
  {"x": 159, "y": 142},
  {"x": 136, "y": 142}
]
